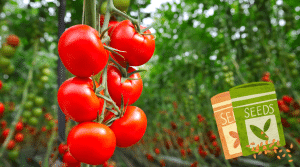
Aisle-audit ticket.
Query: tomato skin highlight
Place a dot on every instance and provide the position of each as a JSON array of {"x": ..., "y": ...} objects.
[
  {"x": 130, "y": 89},
  {"x": 138, "y": 48},
  {"x": 130, "y": 128},
  {"x": 91, "y": 143},
  {"x": 81, "y": 51},
  {"x": 77, "y": 99}
]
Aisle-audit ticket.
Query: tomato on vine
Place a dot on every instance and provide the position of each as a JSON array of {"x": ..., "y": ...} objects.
[
  {"x": 91, "y": 143},
  {"x": 19, "y": 137},
  {"x": 138, "y": 48},
  {"x": 77, "y": 99},
  {"x": 130, "y": 128},
  {"x": 13, "y": 40},
  {"x": 81, "y": 51},
  {"x": 130, "y": 89}
]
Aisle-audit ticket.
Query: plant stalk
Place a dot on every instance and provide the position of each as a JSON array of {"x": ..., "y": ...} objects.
[{"x": 90, "y": 13}]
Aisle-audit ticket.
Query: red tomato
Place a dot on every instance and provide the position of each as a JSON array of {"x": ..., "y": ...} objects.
[
  {"x": 77, "y": 99},
  {"x": 81, "y": 51},
  {"x": 3, "y": 124},
  {"x": 11, "y": 145},
  {"x": 112, "y": 25},
  {"x": 91, "y": 143},
  {"x": 70, "y": 161},
  {"x": 13, "y": 40},
  {"x": 62, "y": 148},
  {"x": 131, "y": 127},
  {"x": 19, "y": 137},
  {"x": 2, "y": 109},
  {"x": 1, "y": 84},
  {"x": 5, "y": 132},
  {"x": 130, "y": 89},
  {"x": 287, "y": 99},
  {"x": 139, "y": 48},
  {"x": 19, "y": 126}
]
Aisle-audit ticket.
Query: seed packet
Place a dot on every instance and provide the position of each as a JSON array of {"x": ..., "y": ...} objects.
[
  {"x": 257, "y": 117},
  {"x": 226, "y": 123}
]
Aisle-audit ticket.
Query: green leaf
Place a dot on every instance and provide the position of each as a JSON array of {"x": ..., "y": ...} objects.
[
  {"x": 258, "y": 132},
  {"x": 267, "y": 125}
]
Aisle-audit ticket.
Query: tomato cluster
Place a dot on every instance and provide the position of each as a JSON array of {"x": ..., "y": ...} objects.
[
  {"x": 102, "y": 107},
  {"x": 7, "y": 51}
]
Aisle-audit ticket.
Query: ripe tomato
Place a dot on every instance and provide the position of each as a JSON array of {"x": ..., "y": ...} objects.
[
  {"x": 11, "y": 145},
  {"x": 131, "y": 127},
  {"x": 13, "y": 40},
  {"x": 2, "y": 109},
  {"x": 139, "y": 48},
  {"x": 91, "y": 143},
  {"x": 70, "y": 161},
  {"x": 19, "y": 137},
  {"x": 77, "y": 99},
  {"x": 3, "y": 124},
  {"x": 62, "y": 148},
  {"x": 19, "y": 126},
  {"x": 5, "y": 132},
  {"x": 1, "y": 84},
  {"x": 43, "y": 129},
  {"x": 130, "y": 89},
  {"x": 82, "y": 51}
]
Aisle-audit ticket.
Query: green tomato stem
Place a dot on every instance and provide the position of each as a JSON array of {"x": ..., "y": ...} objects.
[
  {"x": 122, "y": 69},
  {"x": 90, "y": 13},
  {"x": 107, "y": 15},
  {"x": 134, "y": 21}
]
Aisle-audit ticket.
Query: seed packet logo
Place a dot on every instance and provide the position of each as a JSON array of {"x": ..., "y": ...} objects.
[{"x": 258, "y": 129}]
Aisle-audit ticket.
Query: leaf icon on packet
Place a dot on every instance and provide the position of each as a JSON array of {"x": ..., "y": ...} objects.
[
  {"x": 235, "y": 135},
  {"x": 258, "y": 132}
]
